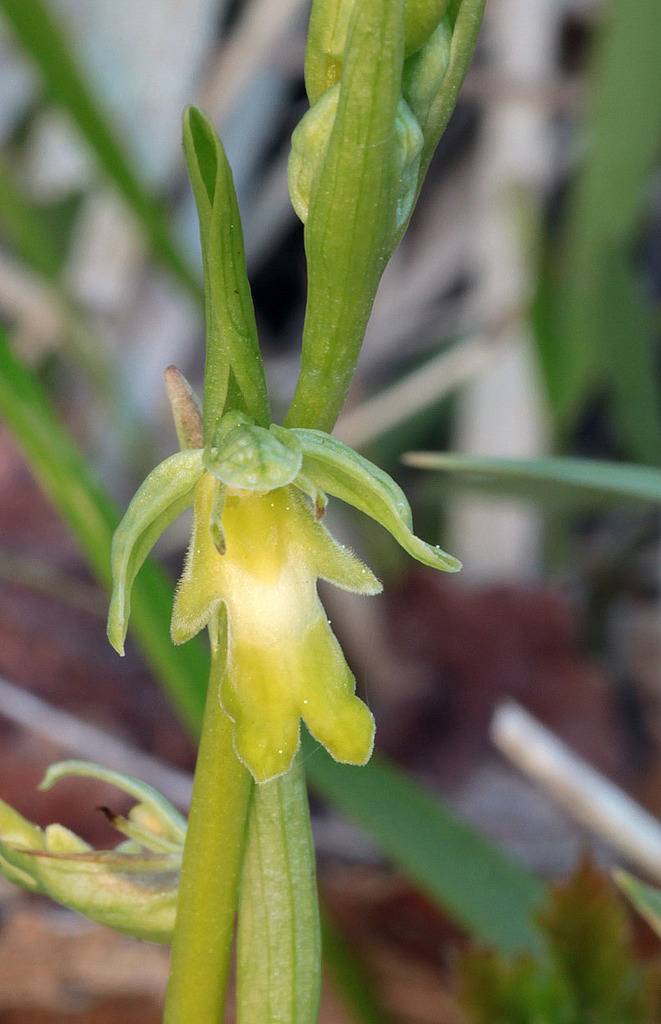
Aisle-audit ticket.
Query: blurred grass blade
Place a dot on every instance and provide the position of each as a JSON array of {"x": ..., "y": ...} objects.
[
  {"x": 484, "y": 891},
  {"x": 645, "y": 898},
  {"x": 81, "y": 502},
  {"x": 43, "y": 40},
  {"x": 587, "y": 476},
  {"x": 631, "y": 357},
  {"x": 349, "y": 976},
  {"x": 604, "y": 216},
  {"x": 24, "y": 230}
]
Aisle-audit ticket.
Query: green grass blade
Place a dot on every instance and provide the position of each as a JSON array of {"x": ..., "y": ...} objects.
[
  {"x": 645, "y": 898},
  {"x": 605, "y": 212},
  {"x": 484, "y": 891},
  {"x": 349, "y": 977},
  {"x": 45, "y": 43},
  {"x": 23, "y": 229},
  {"x": 597, "y": 479},
  {"x": 81, "y": 502}
]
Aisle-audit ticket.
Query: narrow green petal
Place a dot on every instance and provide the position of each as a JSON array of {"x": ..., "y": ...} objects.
[
  {"x": 336, "y": 563},
  {"x": 197, "y": 598},
  {"x": 342, "y": 472},
  {"x": 163, "y": 495}
]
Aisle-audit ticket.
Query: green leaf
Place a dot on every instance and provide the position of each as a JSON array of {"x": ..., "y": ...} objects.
[
  {"x": 631, "y": 359},
  {"x": 350, "y": 227},
  {"x": 494, "y": 990},
  {"x": 482, "y": 889},
  {"x": 349, "y": 976},
  {"x": 77, "y": 495},
  {"x": 485, "y": 891},
  {"x": 232, "y": 342},
  {"x": 43, "y": 40},
  {"x": 25, "y": 230},
  {"x": 591, "y": 477},
  {"x": 589, "y": 974},
  {"x": 591, "y": 948},
  {"x": 279, "y": 942},
  {"x": 605, "y": 213},
  {"x": 342, "y": 472},
  {"x": 645, "y": 898},
  {"x": 166, "y": 492}
]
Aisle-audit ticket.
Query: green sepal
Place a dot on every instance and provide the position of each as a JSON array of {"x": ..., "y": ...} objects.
[
  {"x": 645, "y": 898},
  {"x": 247, "y": 457},
  {"x": 166, "y": 492},
  {"x": 232, "y": 342},
  {"x": 342, "y": 472},
  {"x": 357, "y": 187}
]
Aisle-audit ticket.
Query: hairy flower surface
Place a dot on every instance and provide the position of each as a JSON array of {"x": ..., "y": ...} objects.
[
  {"x": 256, "y": 552},
  {"x": 283, "y": 661}
]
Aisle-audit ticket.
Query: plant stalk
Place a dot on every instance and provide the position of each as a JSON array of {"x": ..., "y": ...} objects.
[
  {"x": 279, "y": 942},
  {"x": 213, "y": 852}
]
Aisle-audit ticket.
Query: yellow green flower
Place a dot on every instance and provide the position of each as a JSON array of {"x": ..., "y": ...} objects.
[{"x": 257, "y": 549}]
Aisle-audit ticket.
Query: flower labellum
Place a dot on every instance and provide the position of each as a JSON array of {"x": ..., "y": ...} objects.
[{"x": 256, "y": 552}]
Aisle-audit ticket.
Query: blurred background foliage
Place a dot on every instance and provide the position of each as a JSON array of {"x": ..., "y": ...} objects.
[{"x": 519, "y": 320}]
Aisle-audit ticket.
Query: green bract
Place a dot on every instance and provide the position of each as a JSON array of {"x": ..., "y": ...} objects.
[
  {"x": 131, "y": 888},
  {"x": 382, "y": 77},
  {"x": 256, "y": 551},
  {"x": 233, "y": 354}
]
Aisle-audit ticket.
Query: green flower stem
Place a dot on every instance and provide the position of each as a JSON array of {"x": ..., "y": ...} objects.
[
  {"x": 213, "y": 853},
  {"x": 279, "y": 944}
]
